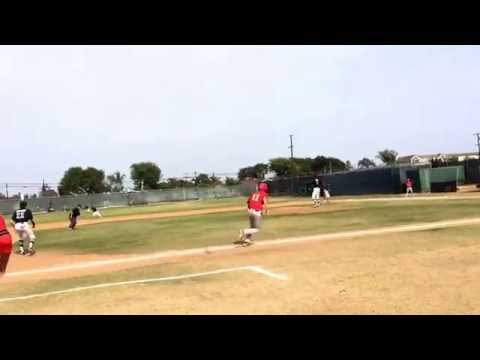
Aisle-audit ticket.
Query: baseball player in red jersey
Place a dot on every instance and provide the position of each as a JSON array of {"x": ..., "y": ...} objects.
[
  {"x": 5, "y": 246},
  {"x": 263, "y": 186},
  {"x": 257, "y": 204},
  {"x": 409, "y": 186}
]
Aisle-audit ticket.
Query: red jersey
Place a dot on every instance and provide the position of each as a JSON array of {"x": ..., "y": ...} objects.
[
  {"x": 257, "y": 200},
  {"x": 5, "y": 238},
  {"x": 409, "y": 183}
]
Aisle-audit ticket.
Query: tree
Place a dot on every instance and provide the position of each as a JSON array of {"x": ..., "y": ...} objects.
[
  {"x": 257, "y": 171},
  {"x": 115, "y": 181},
  {"x": 215, "y": 180},
  {"x": 78, "y": 180},
  {"x": 348, "y": 165},
  {"x": 246, "y": 173},
  {"x": 260, "y": 170},
  {"x": 302, "y": 166},
  {"x": 387, "y": 157},
  {"x": 326, "y": 164},
  {"x": 319, "y": 164},
  {"x": 366, "y": 163},
  {"x": 94, "y": 180},
  {"x": 148, "y": 173},
  {"x": 202, "y": 180},
  {"x": 231, "y": 181},
  {"x": 173, "y": 183},
  {"x": 283, "y": 167}
]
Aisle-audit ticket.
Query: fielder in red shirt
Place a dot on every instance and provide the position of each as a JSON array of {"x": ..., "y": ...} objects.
[
  {"x": 5, "y": 246},
  {"x": 409, "y": 186},
  {"x": 257, "y": 204}
]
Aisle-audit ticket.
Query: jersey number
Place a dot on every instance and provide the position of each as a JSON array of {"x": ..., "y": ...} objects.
[
  {"x": 256, "y": 197},
  {"x": 20, "y": 214}
]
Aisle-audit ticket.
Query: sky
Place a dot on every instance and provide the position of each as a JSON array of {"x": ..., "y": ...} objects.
[{"x": 220, "y": 108}]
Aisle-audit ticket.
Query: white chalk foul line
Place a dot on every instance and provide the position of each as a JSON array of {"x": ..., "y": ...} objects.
[
  {"x": 256, "y": 269},
  {"x": 213, "y": 249},
  {"x": 91, "y": 264},
  {"x": 268, "y": 273}
]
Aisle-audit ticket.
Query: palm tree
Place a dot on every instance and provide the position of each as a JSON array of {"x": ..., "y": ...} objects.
[
  {"x": 388, "y": 157},
  {"x": 366, "y": 163}
]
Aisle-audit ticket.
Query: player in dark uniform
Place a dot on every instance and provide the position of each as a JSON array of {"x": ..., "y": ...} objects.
[
  {"x": 74, "y": 214},
  {"x": 20, "y": 219}
]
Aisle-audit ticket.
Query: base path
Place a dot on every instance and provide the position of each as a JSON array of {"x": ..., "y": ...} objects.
[{"x": 123, "y": 262}]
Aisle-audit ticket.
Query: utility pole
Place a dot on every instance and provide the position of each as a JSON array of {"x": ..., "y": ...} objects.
[
  {"x": 6, "y": 190},
  {"x": 141, "y": 185},
  {"x": 291, "y": 147},
  {"x": 291, "y": 157},
  {"x": 478, "y": 143}
]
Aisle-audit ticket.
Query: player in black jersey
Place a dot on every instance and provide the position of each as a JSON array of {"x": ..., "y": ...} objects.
[
  {"x": 20, "y": 219},
  {"x": 73, "y": 217}
]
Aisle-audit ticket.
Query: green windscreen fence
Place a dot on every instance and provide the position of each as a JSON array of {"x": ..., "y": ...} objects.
[
  {"x": 424, "y": 175},
  {"x": 448, "y": 174}
]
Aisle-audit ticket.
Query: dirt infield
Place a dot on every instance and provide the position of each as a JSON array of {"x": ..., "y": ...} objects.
[{"x": 51, "y": 265}]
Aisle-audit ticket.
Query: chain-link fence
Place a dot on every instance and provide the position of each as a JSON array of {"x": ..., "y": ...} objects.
[{"x": 127, "y": 199}]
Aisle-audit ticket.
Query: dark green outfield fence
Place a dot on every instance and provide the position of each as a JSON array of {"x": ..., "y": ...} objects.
[{"x": 382, "y": 180}]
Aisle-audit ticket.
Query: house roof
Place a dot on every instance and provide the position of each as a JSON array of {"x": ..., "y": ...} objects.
[{"x": 408, "y": 158}]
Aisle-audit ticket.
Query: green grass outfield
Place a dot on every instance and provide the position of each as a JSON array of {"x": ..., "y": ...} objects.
[
  {"x": 154, "y": 208},
  {"x": 165, "y": 207},
  {"x": 216, "y": 229}
]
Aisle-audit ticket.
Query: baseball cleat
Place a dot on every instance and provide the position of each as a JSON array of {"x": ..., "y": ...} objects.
[
  {"x": 247, "y": 242},
  {"x": 31, "y": 252}
]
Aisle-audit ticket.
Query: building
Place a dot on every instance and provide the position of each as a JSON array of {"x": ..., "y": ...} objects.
[{"x": 427, "y": 159}]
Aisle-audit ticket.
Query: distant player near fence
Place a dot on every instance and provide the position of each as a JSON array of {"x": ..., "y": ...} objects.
[
  {"x": 316, "y": 190},
  {"x": 5, "y": 246},
  {"x": 257, "y": 205},
  {"x": 409, "y": 186}
]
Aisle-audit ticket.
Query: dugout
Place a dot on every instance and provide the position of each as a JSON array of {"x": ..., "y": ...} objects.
[{"x": 446, "y": 179}]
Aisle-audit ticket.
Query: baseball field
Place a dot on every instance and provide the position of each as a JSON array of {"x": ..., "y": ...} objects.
[{"x": 358, "y": 255}]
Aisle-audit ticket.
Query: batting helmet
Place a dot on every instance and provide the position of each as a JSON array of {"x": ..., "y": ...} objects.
[{"x": 263, "y": 186}]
